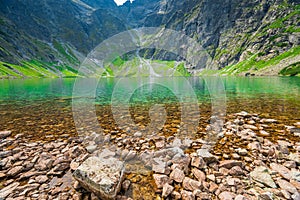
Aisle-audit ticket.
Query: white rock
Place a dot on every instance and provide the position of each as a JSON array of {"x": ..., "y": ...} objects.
[{"x": 101, "y": 176}]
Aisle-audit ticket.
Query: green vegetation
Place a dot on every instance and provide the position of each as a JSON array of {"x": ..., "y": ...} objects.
[
  {"x": 182, "y": 70},
  {"x": 291, "y": 70},
  {"x": 118, "y": 61},
  {"x": 36, "y": 69},
  {"x": 67, "y": 54},
  {"x": 144, "y": 67},
  {"x": 253, "y": 64}
]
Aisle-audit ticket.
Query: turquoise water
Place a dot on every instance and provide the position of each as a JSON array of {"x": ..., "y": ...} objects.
[
  {"x": 19, "y": 90},
  {"x": 43, "y": 107}
]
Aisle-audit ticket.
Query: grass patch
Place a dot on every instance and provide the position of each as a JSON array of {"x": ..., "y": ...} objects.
[
  {"x": 70, "y": 56},
  {"x": 253, "y": 64},
  {"x": 291, "y": 70}
]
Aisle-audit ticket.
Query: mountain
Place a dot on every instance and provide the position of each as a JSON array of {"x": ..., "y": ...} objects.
[
  {"x": 243, "y": 37},
  {"x": 253, "y": 37},
  {"x": 52, "y": 34}
]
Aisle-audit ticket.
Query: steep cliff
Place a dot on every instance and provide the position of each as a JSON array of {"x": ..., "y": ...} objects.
[
  {"x": 56, "y": 34},
  {"x": 247, "y": 33}
]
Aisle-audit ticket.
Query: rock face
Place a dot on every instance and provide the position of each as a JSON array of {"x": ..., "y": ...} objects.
[
  {"x": 103, "y": 177},
  {"x": 231, "y": 31},
  {"x": 241, "y": 29},
  {"x": 75, "y": 23}
]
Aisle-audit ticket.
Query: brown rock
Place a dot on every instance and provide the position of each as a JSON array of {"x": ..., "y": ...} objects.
[
  {"x": 230, "y": 163},
  {"x": 226, "y": 196},
  {"x": 55, "y": 191},
  {"x": 29, "y": 174},
  {"x": 160, "y": 180},
  {"x": 254, "y": 146},
  {"x": 190, "y": 184},
  {"x": 236, "y": 171},
  {"x": 240, "y": 197},
  {"x": 4, "y": 192},
  {"x": 2, "y": 175},
  {"x": 252, "y": 127},
  {"x": 14, "y": 171},
  {"x": 44, "y": 163},
  {"x": 74, "y": 165},
  {"x": 4, "y": 134},
  {"x": 167, "y": 190},
  {"x": 203, "y": 196},
  {"x": 41, "y": 179},
  {"x": 177, "y": 175},
  {"x": 126, "y": 185},
  {"x": 296, "y": 184},
  {"x": 233, "y": 181},
  {"x": 200, "y": 176},
  {"x": 282, "y": 170},
  {"x": 76, "y": 151},
  {"x": 61, "y": 167},
  {"x": 185, "y": 195},
  {"x": 213, "y": 187},
  {"x": 175, "y": 195},
  {"x": 64, "y": 196},
  {"x": 211, "y": 177},
  {"x": 198, "y": 162},
  {"x": 287, "y": 186}
]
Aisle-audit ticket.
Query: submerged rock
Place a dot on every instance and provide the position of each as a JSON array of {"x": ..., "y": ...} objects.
[{"x": 102, "y": 176}]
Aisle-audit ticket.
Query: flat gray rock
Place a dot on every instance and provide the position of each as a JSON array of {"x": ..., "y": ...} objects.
[{"x": 101, "y": 176}]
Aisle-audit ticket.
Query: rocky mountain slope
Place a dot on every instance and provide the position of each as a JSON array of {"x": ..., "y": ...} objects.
[
  {"x": 242, "y": 37},
  {"x": 56, "y": 36}
]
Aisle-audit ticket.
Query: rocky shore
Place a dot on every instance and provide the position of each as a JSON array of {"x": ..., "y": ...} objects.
[{"x": 248, "y": 161}]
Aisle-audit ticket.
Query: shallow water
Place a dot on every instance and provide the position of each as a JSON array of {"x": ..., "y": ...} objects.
[
  {"x": 42, "y": 108},
  {"x": 47, "y": 109}
]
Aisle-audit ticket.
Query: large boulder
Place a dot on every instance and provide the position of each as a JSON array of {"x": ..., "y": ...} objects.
[{"x": 101, "y": 176}]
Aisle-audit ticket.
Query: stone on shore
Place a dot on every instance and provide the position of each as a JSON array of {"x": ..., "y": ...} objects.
[
  {"x": 226, "y": 196},
  {"x": 102, "y": 176},
  {"x": 160, "y": 180},
  {"x": 282, "y": 170},
  {"x": 261, "y": 174},
  {"x": 230, "y": 163},
  {"x": 177, "y": 175},
  {"x": 4, "y": 134},
  {"x": 167, "y": 190},
  {"x": 8, "y": 190}
]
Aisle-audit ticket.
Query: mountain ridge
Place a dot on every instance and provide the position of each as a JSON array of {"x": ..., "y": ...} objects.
[{"x": 58, "y": 36}]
